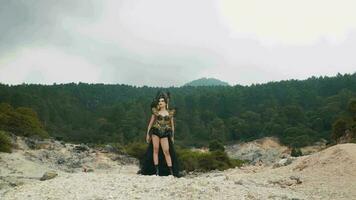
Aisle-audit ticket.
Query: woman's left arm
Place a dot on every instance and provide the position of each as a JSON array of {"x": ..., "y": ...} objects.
[{"x": 172, "y": 123}]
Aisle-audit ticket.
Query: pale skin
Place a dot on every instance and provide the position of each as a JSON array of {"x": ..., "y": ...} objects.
[{"x": 156, "y": 141}]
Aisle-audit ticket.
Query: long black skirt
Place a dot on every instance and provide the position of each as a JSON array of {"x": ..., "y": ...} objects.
[{"x": 147, "y": 165}]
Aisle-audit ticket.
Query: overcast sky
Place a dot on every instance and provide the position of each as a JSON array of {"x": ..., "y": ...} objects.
[{"x": 168, "y": 43}]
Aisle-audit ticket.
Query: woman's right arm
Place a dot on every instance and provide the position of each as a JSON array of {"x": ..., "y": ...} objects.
[{"x": 150, "y": 124}]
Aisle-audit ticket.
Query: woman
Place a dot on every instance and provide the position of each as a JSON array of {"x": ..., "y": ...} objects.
[{"x": 160, "y": 157}]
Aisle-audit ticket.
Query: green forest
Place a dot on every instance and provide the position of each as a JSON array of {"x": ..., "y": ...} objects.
[{"x": 298, "y": 112}]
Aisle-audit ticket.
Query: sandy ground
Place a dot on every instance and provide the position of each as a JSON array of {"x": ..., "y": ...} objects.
[{"x": 328, "y": 174}]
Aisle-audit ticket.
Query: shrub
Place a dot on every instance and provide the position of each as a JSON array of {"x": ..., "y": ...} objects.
[
  {"x": 136, "y": 149},
  {"x": 21, "y": 121},
  {"x": 200, "y": 161},
  {"x": 296, "y": 152},
  {"x": 188, "y": 159},
  {"x": 119, "y": 147},
  {"x": 216, "y": 145},
  {"x": 237, "y": 162},
  {"x": 207, "y": 162},
  {"x": 5, "y": 142}
]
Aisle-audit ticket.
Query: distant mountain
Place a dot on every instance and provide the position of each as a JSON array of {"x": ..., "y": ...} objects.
[{"x": 206, "y": 82}]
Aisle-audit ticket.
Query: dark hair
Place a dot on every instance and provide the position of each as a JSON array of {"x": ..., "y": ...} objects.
[{"x": 160, "y": 94}]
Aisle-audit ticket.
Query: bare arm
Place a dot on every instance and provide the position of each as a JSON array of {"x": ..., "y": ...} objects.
[
  {"x": 151, "y": 122},
  {"x": 172, "y": 122}
]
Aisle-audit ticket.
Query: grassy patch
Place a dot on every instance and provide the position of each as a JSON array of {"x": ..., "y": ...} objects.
[{"x": 5, "y": 142}]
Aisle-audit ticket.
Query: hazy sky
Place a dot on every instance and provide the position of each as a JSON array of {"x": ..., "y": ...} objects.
[{"x": 168, "y": 43}]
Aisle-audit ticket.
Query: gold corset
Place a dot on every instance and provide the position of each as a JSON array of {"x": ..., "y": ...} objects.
[{"x": 163, "y": 122}]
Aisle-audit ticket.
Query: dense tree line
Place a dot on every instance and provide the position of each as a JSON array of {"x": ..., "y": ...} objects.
[{"x": 299, "y": 112}]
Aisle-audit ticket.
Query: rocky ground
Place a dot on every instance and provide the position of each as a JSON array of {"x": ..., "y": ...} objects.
[
  {"x": 267, "y": 150},
  {"x": 78, "y": 172}
]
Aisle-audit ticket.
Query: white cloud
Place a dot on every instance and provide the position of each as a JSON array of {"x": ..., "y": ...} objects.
[
  {"x": 46, "y": 65},
  {"x": 164, "y": 43},
  {"x": 292, "y": 22}
]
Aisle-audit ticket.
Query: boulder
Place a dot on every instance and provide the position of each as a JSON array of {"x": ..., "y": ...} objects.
[
  {"x": 81, "y": 147},
  {"x": 48, "y": 175},
  {"x": 283, "y": 162}
]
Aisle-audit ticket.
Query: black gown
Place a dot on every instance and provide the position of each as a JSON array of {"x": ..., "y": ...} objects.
[{"x": 146, "y": 162}]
